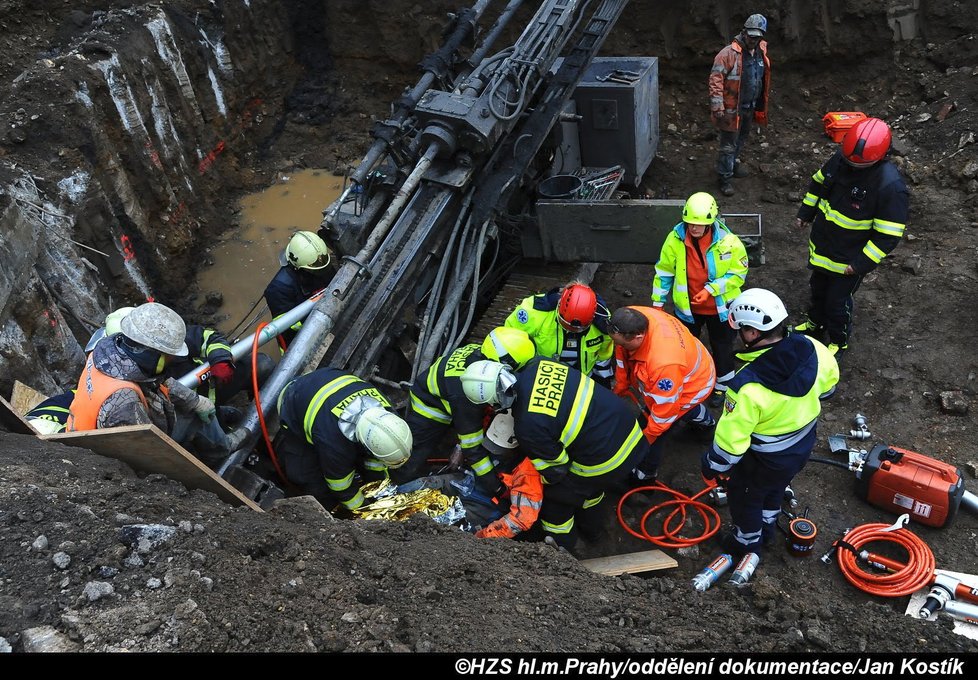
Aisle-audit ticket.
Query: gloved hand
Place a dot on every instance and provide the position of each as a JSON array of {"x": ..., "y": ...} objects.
[
  {"x": 489, "y": 484},
  {"x": 223, "y": 372},
  {"x": 701, "y": 297},
  {"x": 658, "y": 305},
  {"x": 709, "y": 474},
  {"x": 204, "y": 409}
]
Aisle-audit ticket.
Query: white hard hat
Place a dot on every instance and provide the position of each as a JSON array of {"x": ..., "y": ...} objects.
[
  {"x": 757, "y": 308},
  {"x": 489, "y": 382},
  {"x": 502, "y": 431},
  {"x": 385, "y": 435},
  {"x": 158, "y": 327},
  {"x": 307, "y": 251}
]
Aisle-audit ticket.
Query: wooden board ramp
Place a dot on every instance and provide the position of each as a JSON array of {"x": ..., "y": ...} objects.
[
  {"x": 12, "y": 420},
  {"x": 23, "y": 398},
  {"x": 147, "y": 449},
  {"x": 630, "y": 563}
]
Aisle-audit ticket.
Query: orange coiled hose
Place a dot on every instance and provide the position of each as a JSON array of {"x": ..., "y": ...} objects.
[
  {"x": 675, "y": 520},
  {"x": 904, "y": 579},
  {"x": 261, "y": 416}
]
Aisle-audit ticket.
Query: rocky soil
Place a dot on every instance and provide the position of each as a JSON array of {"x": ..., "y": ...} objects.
[{"x": 95, "y": 558}]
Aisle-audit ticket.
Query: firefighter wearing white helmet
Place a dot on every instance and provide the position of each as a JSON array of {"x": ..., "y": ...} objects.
[
  {"x": 337, "y": 433},
  {"x": 305, "y": 270},
  {"x": 438, "y": 404},
  {"x": 767, "y": 430},
  {"x": 580, "y": 437}
]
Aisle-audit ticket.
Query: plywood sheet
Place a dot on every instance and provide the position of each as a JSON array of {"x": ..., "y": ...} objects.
[
  {"x": 24, "y": 398},
  {"x": 12, "y": 420},
  {"x": 630, "y": 563},
  {"x": 147, "y": 449}
]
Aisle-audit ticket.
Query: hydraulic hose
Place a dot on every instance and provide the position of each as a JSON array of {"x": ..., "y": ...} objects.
[
  {"x": 261, "y": 415},
  {"x": 670, "y": 538},
  {"x": 829, "y": 461},
  {"x": 902, "y": 578}
]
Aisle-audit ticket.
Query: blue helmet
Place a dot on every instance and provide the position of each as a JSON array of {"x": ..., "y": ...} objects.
[{"x": 756, "y": 25}]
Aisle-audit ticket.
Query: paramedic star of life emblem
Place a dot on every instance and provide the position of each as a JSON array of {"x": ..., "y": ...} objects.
[
  {"x": 522, "y": 316},
  {"x": 664, "y": 385}
]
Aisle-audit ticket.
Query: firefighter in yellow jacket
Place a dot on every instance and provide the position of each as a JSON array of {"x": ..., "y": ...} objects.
[{"x": 767, "y": 431}]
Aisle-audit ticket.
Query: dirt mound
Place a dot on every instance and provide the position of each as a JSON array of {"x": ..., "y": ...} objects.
[{"x": 114, "y": 562}]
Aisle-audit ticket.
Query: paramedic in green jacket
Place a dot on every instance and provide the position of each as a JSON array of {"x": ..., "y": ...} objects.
[{"x": 703, "y": 264}]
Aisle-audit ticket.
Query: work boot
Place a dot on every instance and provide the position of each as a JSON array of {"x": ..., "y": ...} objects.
[
  {"x": 837, "y": 350},
  {"x": 740, "y": 170},
  {"x": 229, "y": 417},
  {"x": 726, "y": 188},
  {"x": 809, "y": 328}
]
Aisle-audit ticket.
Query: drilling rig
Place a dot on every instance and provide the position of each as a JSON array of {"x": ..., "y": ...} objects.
[{"x": 446, "y": 201}]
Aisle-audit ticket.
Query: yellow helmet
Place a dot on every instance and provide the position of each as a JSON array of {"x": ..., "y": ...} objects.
[
  {"x": 510, "y": 346},
  {"x": 307, "y": 251},
  {"x": 700, "y": 208}
]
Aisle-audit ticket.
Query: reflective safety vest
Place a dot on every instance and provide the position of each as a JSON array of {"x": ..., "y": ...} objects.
[
  {"x": 565, "y": 422},
  {"x": 94, "y": 387},
  {"x": 726, "y": 268},
  {"x": 438, "y": 396},
  {"x": 590, "y": 352},
  {"x": 858, "y": 215},
  {"x": 525, "y": 491},
  {"x": 772, "y": 403},
  {"x": 53, "y": 409},
  {"x": 310, "y": 406},
  {"x": 667, "y": 375}
]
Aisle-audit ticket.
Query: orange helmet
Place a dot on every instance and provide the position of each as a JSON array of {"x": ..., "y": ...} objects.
[
  {"x": 866, "y": 143},
  {"x": 576, "y": 308}
]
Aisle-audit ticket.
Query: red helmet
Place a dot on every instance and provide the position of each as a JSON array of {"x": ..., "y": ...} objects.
[
  {"x": 576, "y": 308},
  {"x": 866, "y": 143}
]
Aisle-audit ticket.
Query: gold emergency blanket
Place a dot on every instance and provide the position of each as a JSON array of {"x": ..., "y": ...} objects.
[{"x": 382, "y": 502}]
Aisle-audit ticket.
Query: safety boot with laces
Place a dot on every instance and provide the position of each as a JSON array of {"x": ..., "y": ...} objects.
[
  {"x": 808, "y": 327},
  {"x": 837, "y": 350}
]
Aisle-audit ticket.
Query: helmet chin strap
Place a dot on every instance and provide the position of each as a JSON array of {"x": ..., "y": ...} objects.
[{"x": 748, "y": 344}]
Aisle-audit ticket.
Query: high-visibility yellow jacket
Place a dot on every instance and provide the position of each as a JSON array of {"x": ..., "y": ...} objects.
[
  {"x": 726, "y": 267},
  {"x": 772, "y": 403}
]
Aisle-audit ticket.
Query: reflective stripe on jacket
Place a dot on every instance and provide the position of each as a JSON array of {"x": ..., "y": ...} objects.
[
  {"x": 726, "y": 266},
  {"x": 725, "y": 75},
  {"x": 670, "y": 372},
  {"x": 94, "y": 389},
  {"x": 772, "y": 403},
  {"x": 858, "y": 215},
  {"x": 525, "y": 489},
  {"x": 590, "y": 352},
  {"x": 310, "y": 407},
  {"x": 566, "y": 422},
  {"x": 53, "y": 409}
]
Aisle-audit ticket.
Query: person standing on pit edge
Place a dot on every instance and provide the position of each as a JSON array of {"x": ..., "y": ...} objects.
[{"x": 739, "y": 85}]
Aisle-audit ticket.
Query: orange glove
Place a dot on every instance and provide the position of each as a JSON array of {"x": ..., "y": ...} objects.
[{"x": 701, "y": 297}]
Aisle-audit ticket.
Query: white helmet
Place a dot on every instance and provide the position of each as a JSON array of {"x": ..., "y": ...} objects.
[
  {"x": 307, "y": 251},
  {"x": 502, "y": 431},
  {"x": 113, "y": 325},
  {"x": 158, "y": 327},
  {"x": 489, "y": 382},
  {"x": 385, "y": 435},
  {"x": 757, "y": 308}
]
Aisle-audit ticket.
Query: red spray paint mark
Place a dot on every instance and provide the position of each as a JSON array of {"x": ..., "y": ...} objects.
[
  {"x": 154, "y": 155},
  {"x": 244, "y": 121},
  {"x": 52, "y": 320},
  {"x": 128, "y": 252}
]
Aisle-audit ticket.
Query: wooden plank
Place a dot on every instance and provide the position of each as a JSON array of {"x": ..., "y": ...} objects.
[
  {"x": 12, "y": 420},
  {"x": 23, "y": 398},
  {"x": 147, "y": 449},
  {"x": 630, "y": 563}
]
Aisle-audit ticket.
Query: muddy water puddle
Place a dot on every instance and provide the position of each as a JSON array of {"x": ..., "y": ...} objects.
[{"x": 247, "y": 257}]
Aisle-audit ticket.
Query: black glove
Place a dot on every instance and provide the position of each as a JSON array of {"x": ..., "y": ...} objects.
[
  {"x": 706, "y": 469},
  {"x": 490, "y": 485}
]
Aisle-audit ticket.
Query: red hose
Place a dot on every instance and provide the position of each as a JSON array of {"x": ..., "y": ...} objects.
[
  {"x": 261, "y": 416},
  {"x": 670, "y": 538},
  {"x": 917, "y": 572}
]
